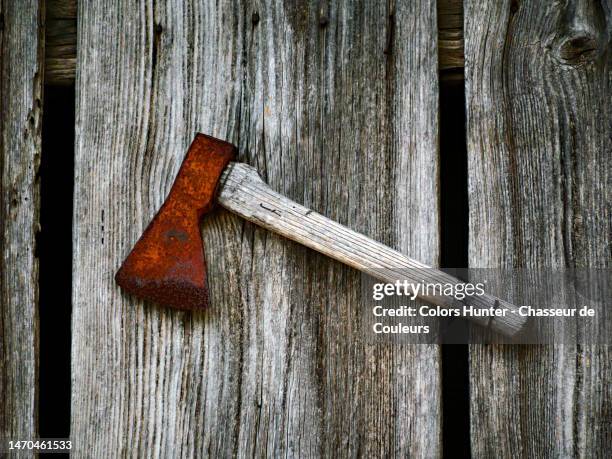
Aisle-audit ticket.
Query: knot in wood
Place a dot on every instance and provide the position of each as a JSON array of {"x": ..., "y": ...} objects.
[{"x": 582, "y": 35}]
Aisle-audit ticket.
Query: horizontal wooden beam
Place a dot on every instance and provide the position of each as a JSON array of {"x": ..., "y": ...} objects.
[
  {"x": 60, "y": 42},
  {"x": 61, "y": 38},
  {"x": 450, "y": 38}
]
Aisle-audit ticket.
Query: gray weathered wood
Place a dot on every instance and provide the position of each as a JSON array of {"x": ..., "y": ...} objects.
[
  {"x": 21, "y": 47},
  {"x": 60, "y": 61},
  {"x": 335, "y": 103},
  {"x": 539, "y": 118},
  {"x": 243, "y": 192}
]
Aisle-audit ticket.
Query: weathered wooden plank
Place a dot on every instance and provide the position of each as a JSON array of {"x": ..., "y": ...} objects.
[
  {"x": 21, "y": 48},
  {"x": 60, "y": 42},
  {"x": 336, "y": 106},
  {"x": 60, "y": 61},
  {"x": 450, "y": 35},
  {"x": 539, "y": 117}
]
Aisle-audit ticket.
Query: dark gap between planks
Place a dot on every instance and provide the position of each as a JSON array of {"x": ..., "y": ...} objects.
[
  {"x": 54, "y": 250},
  {"x": 454, "y": 257}
]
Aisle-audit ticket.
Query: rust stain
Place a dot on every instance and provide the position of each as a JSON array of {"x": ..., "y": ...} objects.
[{"x": 167, "y": 263}]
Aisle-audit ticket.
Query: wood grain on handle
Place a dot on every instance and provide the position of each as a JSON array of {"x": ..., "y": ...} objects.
[{"x": 243, "y": 192}]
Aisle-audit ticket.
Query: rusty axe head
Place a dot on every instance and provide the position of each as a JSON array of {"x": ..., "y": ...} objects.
[{"x": 167, "y": 263}]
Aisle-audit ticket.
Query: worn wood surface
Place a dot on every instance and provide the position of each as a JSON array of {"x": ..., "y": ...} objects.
[
  {"x": 60, "y": 61},
  {"x": 21, "y": 48},
  {"x": 60, "y": 42},
  {"x": 335, "y": 103},
  {"x": 539, "y": 117},
  {"x": 450, "y": 36},
  {"x": 242, "y": 191}
]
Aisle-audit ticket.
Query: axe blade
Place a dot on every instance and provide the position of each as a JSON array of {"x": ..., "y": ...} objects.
[{"x": 167, "y": 264}]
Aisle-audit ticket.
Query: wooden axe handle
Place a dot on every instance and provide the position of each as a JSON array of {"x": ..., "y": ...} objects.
[{"x": 242, "y": 191}]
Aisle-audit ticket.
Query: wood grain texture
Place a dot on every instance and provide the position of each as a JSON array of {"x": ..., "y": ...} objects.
[
  {"x": 60, "y": 60},
  {"x": 60, "y": 42},
  {"x": 539, "y": 145},
  {"x": 335, "y": 103},
  {"x": 21, "y": 48},
  {"x": 450, "y": 35},
  {"x": 242, "y": 191}
]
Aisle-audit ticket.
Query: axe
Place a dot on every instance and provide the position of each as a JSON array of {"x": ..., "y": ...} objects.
[{"x": 167, "y": 263}]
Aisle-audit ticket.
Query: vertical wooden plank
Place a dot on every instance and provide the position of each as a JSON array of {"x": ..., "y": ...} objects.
[
  {"x": 342, "y": 117},
  {"x": 21, "y": 64},
  {"x": 336, "y": 105},
  {"x": 539, "y": 117}
]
